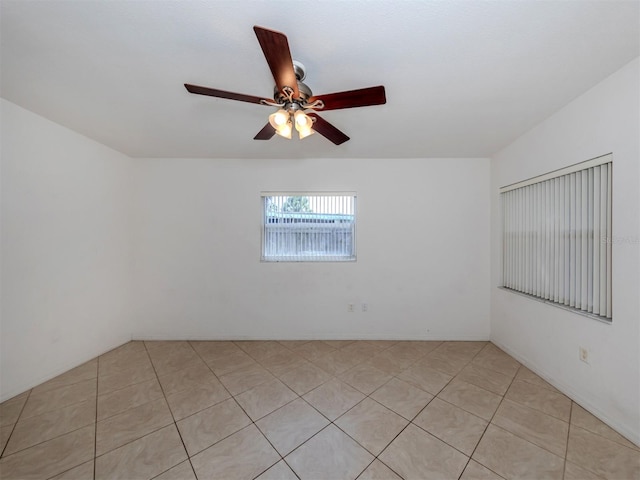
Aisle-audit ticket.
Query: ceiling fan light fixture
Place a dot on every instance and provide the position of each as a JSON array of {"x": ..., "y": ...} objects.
[
  {"x": 302, "y": 120},
  {"x": 303, "y": 123},
  {"x": 305, "y": 132},
  {"x": 279, "y": 119},
  {"x": 284, "y": 130},
  {"x": 281, "y": 123}
]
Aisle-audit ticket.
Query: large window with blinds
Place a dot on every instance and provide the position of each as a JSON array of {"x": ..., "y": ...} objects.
[
  {"x": 557, "y": 237},
  {"x": 308, "y": 227}
]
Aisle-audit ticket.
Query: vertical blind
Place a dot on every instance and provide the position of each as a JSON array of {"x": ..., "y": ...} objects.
[
  {"x": 307, "y": 227},
  {"x": 557, "y": 238}
]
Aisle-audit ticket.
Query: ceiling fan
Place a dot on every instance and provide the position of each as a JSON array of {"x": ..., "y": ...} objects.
[{"x": 297, "y": 106}]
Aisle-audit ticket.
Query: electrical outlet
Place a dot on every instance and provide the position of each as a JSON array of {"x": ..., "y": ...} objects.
[
  {"x": 350, "y": 307},
  {"x": 584, "y": 355},
  {"x": 365, "y": 307}
]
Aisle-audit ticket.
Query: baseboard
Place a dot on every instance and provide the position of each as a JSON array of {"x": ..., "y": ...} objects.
[
  {"x": 284, "y": 337},
  {"x": 622, "y": 428}
]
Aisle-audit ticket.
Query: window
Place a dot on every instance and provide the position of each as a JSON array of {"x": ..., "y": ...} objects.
[
  {"x": 308, "y": 227},
  {"x": 557, "y": 237}
]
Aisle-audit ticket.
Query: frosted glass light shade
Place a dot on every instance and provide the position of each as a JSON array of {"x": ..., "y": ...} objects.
[
  {"x": 284, "y": 130},
  {"x": 304, "y": 132},
  {"x": 278, "y": 119},
  {"x": 303, "y": 124},
  {"x": 302, "y": 120},
  {"x": 281, "y": 123}
]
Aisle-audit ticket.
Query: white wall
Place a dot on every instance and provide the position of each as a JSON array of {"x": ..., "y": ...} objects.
[
  {"x": 65, "y": 249},
  {"x": 422, "y": 246},
  {"x": 605, "y": 119},
  {"x": 77, "y": 217}
]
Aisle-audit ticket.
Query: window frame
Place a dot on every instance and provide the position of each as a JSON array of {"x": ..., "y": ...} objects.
[{"x": 308, "y": 258}]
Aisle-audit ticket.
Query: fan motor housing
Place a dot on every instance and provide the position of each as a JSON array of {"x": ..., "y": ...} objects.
[
  {"x": 300, "y": 70},
  {"x": 304, "y": 94}
]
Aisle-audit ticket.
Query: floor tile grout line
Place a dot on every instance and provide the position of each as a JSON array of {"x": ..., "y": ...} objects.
[
  {"x": 291, "y": 468},
  {"x": 45, "y": 441},
  {"x": 260, "y": 362},
  {"x": 50, "y": 412},
  {"x": 436, "y": 396},
  {"x": 634, "y": 448},
  {"x": 151, "y": 432},
  {"x": 170, "y": 468},
  {"x": 566, "y": 449},
  {"x": 316, "y": 409},
  {"x": 490, "y": 422},
  {"x": 70, "y": 384},
  {"x": 168, "y": 407},
  {"x": 523, "y": 439},
  {"x": 74, "y": 382},
  {"x": 254, "y": 423},
  {"x": 367, "y": 466},
  {"x": 410, "y": 422},
  {"x": 193, "y": 470},
  {"x": 452, "y": 376},
  {"x": 369, "y": 451},
  {"x": 69, "y": 469},
  {"x": 221, "y": 439},
  {"x": 491, "y": 344},
  {"x": 442, "y": 440},
  {"x": 121, "y": 412},
  {"x": 486, "y": 428},
  {"x": 269, "y": 441},
  {"x": 537, "y": 410},
  {"x": 134, "y": 440},
  {"x": 4, "y": 449},
  {"x": 496, "y": 371},
  {"x": 573, "y": 426},
  {"x": 126, "y": 386},
  {"x": 203, "y": 409},
  {"x": 306, "y": 441},
  {"x": 4, "y": 455},
  {"x": 402, "y": 416},
  {"x": 189, "y": 457},
  {"x": 377, "y": 457},
  {"x": 62, "y": 406},
  {"x": 170, "y": 411},
  {"x": 332, "y": 422},
  {"x": 211, "y": 369}
]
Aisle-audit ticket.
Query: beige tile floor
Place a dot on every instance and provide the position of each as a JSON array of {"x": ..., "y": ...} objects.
[{"x": 310, "y": 410}]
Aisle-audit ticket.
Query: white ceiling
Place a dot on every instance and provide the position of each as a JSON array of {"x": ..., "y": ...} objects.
[{"x": 463, "y": 78}]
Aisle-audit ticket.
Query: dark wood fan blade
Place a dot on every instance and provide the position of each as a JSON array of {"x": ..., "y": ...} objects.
[
  {"x": 327, "y": 130},
  {"x": 276, "y": 50},
  {"x": 362, "y": 97},
  {"x": 266, "y": 133},
  {"x": 212, "y": 92}
]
